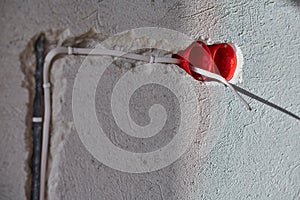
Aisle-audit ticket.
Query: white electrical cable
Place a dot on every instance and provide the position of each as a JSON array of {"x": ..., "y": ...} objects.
[
  {"x": 97, "y": 52},
  {"x": 222, "y": 80},
  {"x": 47, "y": 107}
]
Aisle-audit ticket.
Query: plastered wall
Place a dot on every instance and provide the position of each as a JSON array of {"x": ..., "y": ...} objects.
[{"x": 256, "y": 154}]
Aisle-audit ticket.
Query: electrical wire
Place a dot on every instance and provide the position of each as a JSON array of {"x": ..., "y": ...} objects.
[
  {"x": 97, "y": 52},
  {"x": 222, "y": 80},
  {"x": 47, "y": 107}
]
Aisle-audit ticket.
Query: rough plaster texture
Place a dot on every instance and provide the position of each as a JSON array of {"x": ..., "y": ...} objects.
[{"x": 257, "y": 153}]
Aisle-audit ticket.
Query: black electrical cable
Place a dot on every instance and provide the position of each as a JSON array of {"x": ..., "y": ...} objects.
[
  {"x": 37, "y": 123},
  {"x": 249, "y": 94}
]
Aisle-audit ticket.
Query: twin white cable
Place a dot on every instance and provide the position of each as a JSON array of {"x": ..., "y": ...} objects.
[{"x": 97, "y": 52}]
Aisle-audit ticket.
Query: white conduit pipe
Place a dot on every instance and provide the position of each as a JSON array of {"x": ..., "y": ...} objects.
[{"x": 97, "y": 52}]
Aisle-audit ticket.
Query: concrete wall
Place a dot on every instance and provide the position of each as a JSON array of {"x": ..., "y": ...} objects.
[{"x": 255, "y": 155}]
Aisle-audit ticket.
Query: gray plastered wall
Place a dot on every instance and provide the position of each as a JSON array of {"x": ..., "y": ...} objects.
[{"x": 257, "y": 153}]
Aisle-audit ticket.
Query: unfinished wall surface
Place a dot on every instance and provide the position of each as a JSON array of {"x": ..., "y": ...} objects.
[{"x": 249, "y": 155}]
